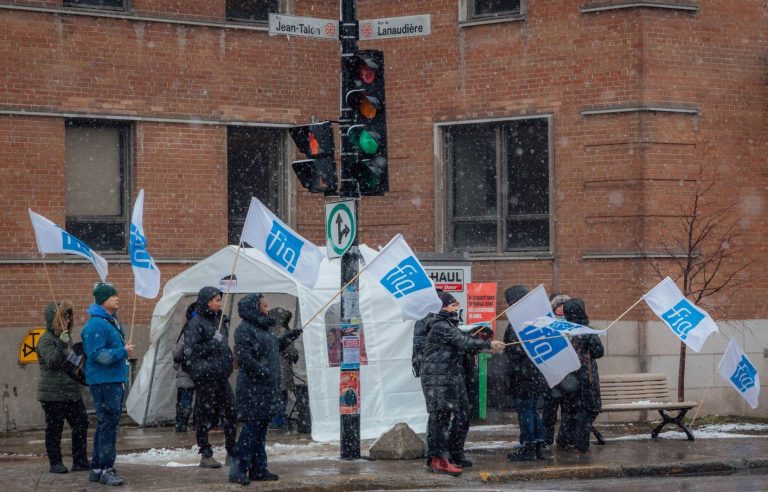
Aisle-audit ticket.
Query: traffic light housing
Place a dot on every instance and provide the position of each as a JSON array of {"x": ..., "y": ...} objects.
[
  {"x": 367, "y": 133},
  {"x": 317, "y": 172}
]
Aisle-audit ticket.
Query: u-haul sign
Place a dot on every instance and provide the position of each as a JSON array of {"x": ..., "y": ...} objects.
[{"x": 449, "y": 280}]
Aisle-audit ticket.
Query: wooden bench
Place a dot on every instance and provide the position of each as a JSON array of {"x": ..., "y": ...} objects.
[{"x": 642, "y": 391}]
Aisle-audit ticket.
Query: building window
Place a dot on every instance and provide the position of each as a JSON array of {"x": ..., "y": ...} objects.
[
  {"x": 254, "y": 169},
  {"x": 499, "y": 186},
  {"x": 97, "y": 178},
  {"x": 482, "y": 9},
  {"x": 107, "y": 4},
  {"x": 252, "y": 10}
]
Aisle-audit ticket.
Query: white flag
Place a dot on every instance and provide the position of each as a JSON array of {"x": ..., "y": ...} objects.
[
  {"x": 554, "y": 356},
  {"x": 737, "y": 369},
  {"x": 565, "y": 327},
  {"x": 53, "y": 239},
  {"x": 295, "y": 255},
  {"x": 145, "y": 271},
  {"x": 400, "y": 273},
  {"x": 690, "y": 323}
]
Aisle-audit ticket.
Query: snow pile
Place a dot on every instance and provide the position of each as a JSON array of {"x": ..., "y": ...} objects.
[{"x": 181, "y": 457}]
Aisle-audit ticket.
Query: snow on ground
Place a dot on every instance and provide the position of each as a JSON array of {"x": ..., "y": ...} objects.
[
  {"x": 492, "y": 428},
  {"x": 698, "y": 434},
  {"x": 178, "y": 457}
]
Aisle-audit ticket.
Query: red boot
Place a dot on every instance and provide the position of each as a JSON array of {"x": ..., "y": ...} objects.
[{"x": 441, "y": 465}]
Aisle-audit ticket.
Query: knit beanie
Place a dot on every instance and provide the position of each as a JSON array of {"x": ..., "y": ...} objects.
[
  {"x": 446, "y": 298},
  {"x": 515, "y": 293},
  {"x": 102, "y": 292}
]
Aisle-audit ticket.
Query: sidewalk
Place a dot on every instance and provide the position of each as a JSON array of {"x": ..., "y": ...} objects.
[{"x": 305, "y": 465}]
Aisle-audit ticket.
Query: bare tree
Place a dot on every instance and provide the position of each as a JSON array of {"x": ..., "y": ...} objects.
[{"x": 704, "y": 250}]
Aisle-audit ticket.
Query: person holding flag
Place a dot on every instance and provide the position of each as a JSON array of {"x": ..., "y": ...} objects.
[
  {"x": 581, "y": 388},
  {"x": 527, "y": 386},
  {"x": 442, "y": 380}
]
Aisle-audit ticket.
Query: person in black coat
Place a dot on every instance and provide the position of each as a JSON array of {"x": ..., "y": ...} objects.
[
  {"x": 527, "y": 386},
  {"x": 208, "y": 361},
  {"x": 442, "y": 380},
  {"x": 581, "y": 388},
  {"x": 259, "y": 387}
]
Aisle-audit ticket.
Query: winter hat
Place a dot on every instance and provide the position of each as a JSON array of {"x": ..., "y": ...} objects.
[
  {"x": 515, "y": 293},
  {"x": 558, "y": 299},
  {"x": 575, "y": 311},
  {"x": 446, "y": 298},
  {"x": 103, "y": 291}
]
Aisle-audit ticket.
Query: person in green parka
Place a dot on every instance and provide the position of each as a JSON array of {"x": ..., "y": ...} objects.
[{"x": 58, "y": 393}]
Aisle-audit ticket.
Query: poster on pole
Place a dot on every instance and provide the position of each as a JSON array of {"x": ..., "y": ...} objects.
[
  {"x": 349, "y": 393},
  {"x": 481, "y": 303}
]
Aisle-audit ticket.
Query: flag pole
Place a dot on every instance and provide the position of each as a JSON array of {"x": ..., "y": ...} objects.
[
  {"x": 706, "y": 392},
  {"x": 229, "y": 285},
  {"x": 53, "y": 294},
  {"x": 625, "y": 312},
  {"x": 133, "y": 318}
]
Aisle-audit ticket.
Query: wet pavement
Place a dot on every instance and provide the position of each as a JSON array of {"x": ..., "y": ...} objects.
[{"x": 160, "y": 459}]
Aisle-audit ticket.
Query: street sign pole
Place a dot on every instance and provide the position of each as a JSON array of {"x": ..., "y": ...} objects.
[{"x": 349, "y": 390}]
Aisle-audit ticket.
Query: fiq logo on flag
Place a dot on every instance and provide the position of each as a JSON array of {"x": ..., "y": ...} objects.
[
  {"x": 744, "y": 376},
  {"x": 542, "y": 350},
  {"x": 283, "y": 247},
  {"x": 76, "y": 246},
  {"x": 405, "y": 278},
  {"x": 682, "y": 318},
  {"x": 139, "y": 255}
]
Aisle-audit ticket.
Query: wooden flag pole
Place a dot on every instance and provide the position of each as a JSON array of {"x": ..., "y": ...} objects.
[
  {"x": 625, "y": 312},
  {"x": 229, "y": 285},
  {"x": 133, "y": 318},
  {"x": 53, "y": 294},
  {"x": 706, "y": 392}
]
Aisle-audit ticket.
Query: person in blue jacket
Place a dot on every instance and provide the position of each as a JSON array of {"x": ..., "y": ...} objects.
[{"x": 106, "y": 372}]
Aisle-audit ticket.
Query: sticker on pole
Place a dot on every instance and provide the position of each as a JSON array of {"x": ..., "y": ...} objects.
[{"x": 340, "y": 227}]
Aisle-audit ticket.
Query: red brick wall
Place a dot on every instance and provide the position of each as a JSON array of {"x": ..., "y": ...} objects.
[{"x": 618, "y": 178}]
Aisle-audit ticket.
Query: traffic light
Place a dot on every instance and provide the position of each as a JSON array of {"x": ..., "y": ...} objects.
[
  {"x": 368, "y": 127},
  {"x": 317, "y": 173}
]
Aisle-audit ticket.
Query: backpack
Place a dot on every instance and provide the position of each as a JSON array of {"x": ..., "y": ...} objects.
[
  {"x": 74, "y": 365},
  {"x": 420, "y": 332}
]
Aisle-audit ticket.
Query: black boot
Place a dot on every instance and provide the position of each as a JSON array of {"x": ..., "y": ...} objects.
[
  {"x": 460, "y": 460},
  {"x": 526, "y": 453},
  {"x": 540, "y": 454}
]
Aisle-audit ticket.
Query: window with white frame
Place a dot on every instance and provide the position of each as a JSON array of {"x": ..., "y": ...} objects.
[
  {"x": 97, "y": 181},
  {"x": 498, "y": 189}
]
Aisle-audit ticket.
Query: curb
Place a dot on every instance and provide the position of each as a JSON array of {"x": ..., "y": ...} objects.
[{"x": 619, "y": 471}]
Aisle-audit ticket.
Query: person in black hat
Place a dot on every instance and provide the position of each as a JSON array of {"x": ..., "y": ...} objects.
[
  {"x": 442, "y": 380},
  {"x": 208, "y": 360}
]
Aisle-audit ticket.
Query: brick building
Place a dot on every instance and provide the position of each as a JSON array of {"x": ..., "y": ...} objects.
[{"x": 556, "y": 140}]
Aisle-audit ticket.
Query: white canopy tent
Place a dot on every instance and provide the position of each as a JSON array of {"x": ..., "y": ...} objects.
[{"x": 389, "y": 392}]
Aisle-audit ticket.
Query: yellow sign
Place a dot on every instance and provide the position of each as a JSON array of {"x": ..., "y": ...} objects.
[{"x": 28, "y": 349}]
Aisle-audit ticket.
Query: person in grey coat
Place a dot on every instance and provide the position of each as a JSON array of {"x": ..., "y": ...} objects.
[{"x": 185, "y": 387}]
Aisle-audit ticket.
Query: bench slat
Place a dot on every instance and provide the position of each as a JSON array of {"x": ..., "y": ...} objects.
[{"x": 621, "y": 392}]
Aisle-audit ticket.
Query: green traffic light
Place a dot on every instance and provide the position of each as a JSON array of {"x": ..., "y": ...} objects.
[{"x": 367, "y": 143}]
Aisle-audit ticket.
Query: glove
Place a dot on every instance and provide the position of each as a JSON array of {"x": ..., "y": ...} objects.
[
  {"x": 64, "y": 337},
  {"x": 294, "y": 334}
]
